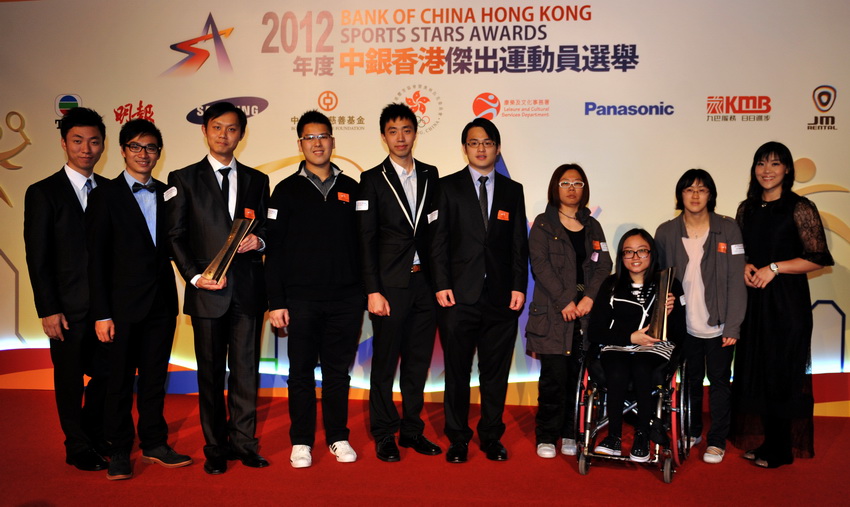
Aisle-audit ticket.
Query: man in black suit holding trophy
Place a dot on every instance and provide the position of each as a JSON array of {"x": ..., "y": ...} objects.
[{"x": 203, "y": 200}]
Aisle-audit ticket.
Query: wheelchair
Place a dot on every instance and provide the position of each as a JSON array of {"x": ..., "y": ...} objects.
[{"x": 670, "y": 427}]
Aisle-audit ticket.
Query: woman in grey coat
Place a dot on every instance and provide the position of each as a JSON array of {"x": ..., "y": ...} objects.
[{"x": 569, "y": 261}]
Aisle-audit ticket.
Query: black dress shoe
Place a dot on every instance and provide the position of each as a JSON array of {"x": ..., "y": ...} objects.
[
  {"x": 386, "y": 450},
  {"x": 250, "y": 459},
  {"x": 215, "y": 466},
  {"x": 119, "y": 466},
  {"x": 420, "y": 444},
  {"x": 457, "y": 452},
  {"x": 495, "y": 450},
  {"x": 87, "y": 461}
]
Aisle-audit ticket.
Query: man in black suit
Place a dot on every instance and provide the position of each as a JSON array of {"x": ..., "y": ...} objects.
[
  {"x": 54, "y": 234},
  {"x": 479, "y": 261},
  {"x": 395, "y": 201},
  {"x": 134, "y": 299},
  {"x": 202, "y": 201},
  {"x": 314, "y": 287}
]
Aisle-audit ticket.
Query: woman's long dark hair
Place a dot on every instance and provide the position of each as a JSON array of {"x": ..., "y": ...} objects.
[
  {"x": 754, "y": 190},
  {"x": 623, "y": 283}
]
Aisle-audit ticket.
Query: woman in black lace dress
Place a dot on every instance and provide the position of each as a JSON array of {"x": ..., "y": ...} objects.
[{"x": 784, "y": 239}]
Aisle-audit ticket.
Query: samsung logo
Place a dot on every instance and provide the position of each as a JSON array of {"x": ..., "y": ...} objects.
[
  {"x": 660, "y": 109},
  {"x": 252, "y": 106}
]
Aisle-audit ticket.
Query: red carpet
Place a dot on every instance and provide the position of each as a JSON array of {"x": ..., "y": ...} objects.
[{"x": 33, "y": 472}]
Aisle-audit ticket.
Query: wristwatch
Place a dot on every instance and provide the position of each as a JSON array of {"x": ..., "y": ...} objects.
[{"x": 774, "y": 268}]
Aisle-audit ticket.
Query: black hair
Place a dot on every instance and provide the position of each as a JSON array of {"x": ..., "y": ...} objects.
[
  {"x": 554, "y": 189},
  {"x": 754, "y": 190},
  {"x": 689, "y": 178},
  {"x": 222, "y": 108},
  {"x": 397, "y": 111},
  {"x": 81, "y": 117},
  {"x": 487, "y": 125},
  {"x": 138, "y": 127},
  {"x": 313, "y": 116},
  {"x": 623, "y": 276}
]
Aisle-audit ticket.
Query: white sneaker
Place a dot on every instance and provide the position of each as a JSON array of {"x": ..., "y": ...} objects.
[
  {"x": 713, "y": 454},
  {"x": 301, "y": 456},
  {"x": 546, "y": 450},
  {"x": 343, "y": 451},
  {"x": 695, "y": 441},
  {"x": 568, "y": 447}
]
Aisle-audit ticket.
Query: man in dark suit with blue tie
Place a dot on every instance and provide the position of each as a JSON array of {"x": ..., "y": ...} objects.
[
  {"x": 393, "y": 209},
  {"x": 134, "y": 299},
  {"x": 54, "y": 235},
  {"x": 202, "y": 202},
  {"x": 479, "y": 256}
]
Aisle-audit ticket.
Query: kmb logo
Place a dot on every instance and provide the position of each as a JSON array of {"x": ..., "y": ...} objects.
[
  {"x": 195, "y": 57},
  {"x": 717, "y": 104}
]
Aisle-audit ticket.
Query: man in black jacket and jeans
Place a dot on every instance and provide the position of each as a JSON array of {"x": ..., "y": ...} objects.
[{"x": 314, "y": 288}]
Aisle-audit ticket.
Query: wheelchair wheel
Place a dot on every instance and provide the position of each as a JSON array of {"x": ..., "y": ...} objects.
[
  {"x": 579, "y": 407},
  {"x": 684, "y": 402},
  {"x": 667, "y": 468},
  {"x": 583, "y": 464}
]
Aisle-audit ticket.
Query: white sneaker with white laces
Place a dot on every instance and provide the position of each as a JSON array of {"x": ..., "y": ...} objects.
[
  {"x": 546, "y": 450},
  {"x": 301, "y": 456},
  {"x": 343, "y": 451},
  {"x": 568, "y": 447}
]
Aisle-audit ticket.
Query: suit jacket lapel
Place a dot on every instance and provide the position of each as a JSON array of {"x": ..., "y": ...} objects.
[
  {"x": 243, "y": 180},
  {"x": 395, "y": 182},
  {"x": 468, "y": 188}
]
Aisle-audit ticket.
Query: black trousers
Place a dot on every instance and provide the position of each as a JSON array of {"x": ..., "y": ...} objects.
[
  {"x": 80, "y": 406},
  {"x": 325, "y": 333},
  {"x": 620, "y": 368},
  {"x": 491, "y": 329},
  {"x": 145, "y": 346},
  {"x": 556, "y": 397},
  {"x": 407, "y": 334},
  {"x": 707, "y": 355},
  {"x": 234, "y": 339}
]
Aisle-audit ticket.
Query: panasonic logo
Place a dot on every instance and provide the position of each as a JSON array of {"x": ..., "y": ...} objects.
[{"x": 660, "y": 109}]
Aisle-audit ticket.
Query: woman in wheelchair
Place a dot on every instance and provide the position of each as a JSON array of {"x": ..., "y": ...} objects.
[{"x": 618, "y": 324}]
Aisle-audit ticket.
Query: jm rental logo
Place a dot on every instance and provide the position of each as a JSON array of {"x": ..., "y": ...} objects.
[
  {"x": 732, "y": 107},
  {"x": 196, "y": 57},
  {"x": 824, "y": 98}
]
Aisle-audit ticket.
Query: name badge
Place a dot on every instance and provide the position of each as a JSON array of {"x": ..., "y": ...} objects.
[
  {"x": 249, "y": 213},
  {"x": 721, "y": 247},
  {"x": 503, "y": 215},
  {"x": 171, "y": 192},
  {"x": 361, "y": 205},
  {"x": 342, "y": 196},
  {"x": 271, "y": 214}
]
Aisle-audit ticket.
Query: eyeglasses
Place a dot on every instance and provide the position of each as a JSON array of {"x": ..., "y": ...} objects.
[
  {"x": 475, "y": 143},
  {"x": 695, "y": 190},
  {"x": 316, "y": 137},
  {"x": 136, "y": 148},
  {"x": 642, "y": 253},
  {"x": 571, "y": 184}
]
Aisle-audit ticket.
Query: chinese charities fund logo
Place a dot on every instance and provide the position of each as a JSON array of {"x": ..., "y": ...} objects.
[
  {"x": 196, "y": 57},
  {"x": 252, "y": 106},
  {"x": 486, "y": 105}
]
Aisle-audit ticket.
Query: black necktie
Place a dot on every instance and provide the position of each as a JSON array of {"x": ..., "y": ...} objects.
[
  {"x": 482, "y": 199},
  {"x": 138, "y": 186},
  {"x": 225, "y": 186}
]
